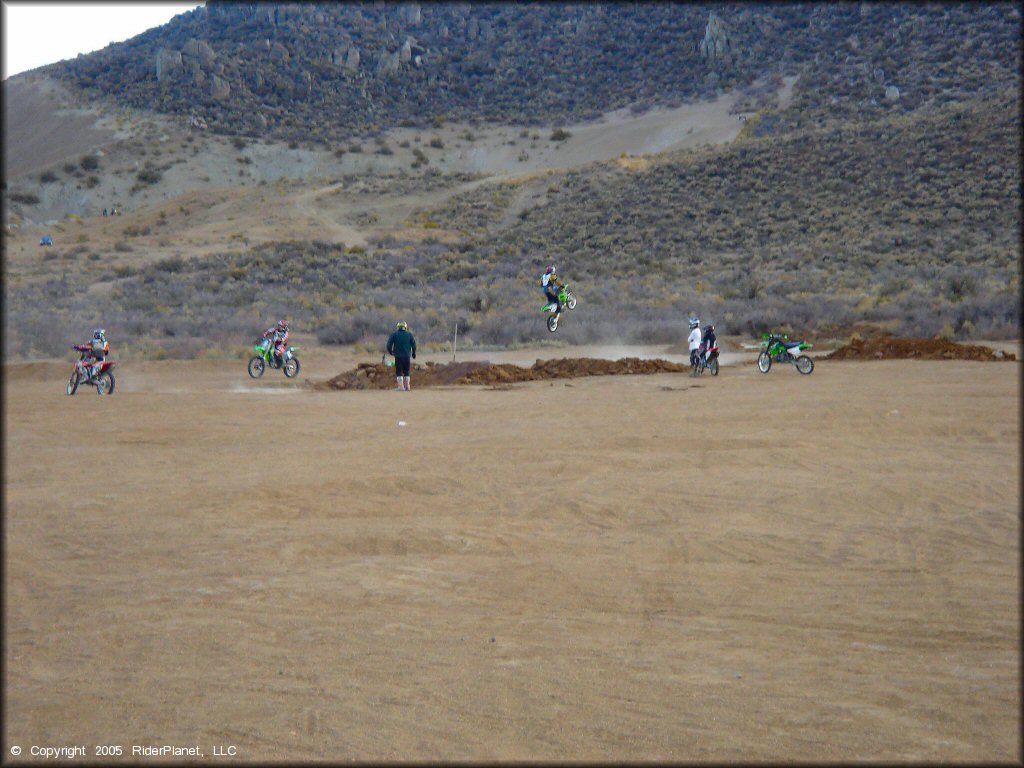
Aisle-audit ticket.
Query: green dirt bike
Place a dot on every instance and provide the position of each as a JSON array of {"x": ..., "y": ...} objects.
[
  {"x": 782, "y": 350},
  {"x": 566, "y": 298},
  {"x": 264, "y": 357}
]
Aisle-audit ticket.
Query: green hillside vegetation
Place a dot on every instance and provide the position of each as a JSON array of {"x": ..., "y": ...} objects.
[
  {"x": 324, "y": 72},
  {"x": 852, "y": 208},
  {"x": 910, "y": 224}
]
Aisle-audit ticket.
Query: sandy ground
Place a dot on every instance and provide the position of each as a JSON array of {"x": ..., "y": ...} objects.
[{"x": 753, "y": 567}]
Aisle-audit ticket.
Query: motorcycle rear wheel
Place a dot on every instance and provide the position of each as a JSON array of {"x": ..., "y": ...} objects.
[
  {"x": 764, "y": 362},
  {"x": 804, "y": 364},
  {"x": 553, "y": 323},
  {"x": 291, "y": 368},
  {"x": 256, "y": 367},
  {"x": 105, "y": 383},
  {"x": 73, "y": 383}
]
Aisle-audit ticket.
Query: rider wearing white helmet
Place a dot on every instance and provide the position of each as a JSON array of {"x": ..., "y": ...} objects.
[
  {"x": 694, "y": 340},
  {"x": 278, "y": 336},
  {"x": 550, "y": 284}
]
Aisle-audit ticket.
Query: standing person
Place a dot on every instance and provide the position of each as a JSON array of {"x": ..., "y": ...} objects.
[
  {"x": 402, "y": 345},
  {"x": 694, "y": 341}
]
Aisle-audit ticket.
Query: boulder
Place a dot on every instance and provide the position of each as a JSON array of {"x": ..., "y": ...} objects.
[
  {"x": 892, "y": 93},
  {"x": 279, "y": 53},
  {"x": 167, "y": 61},
  {"x": 405, "y": 54},
  {"x": 220, "y": 88},
  {"x": 198, "y": 50},
  {"x": 352, "y": 59},
  {"x": 715, "y": 44},
  {"x": 387, "y": 63},
  {"x": 410, "y": 14}
]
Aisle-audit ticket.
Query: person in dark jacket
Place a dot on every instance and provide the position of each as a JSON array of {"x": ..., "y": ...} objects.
[{"x": 402, "y": 346}]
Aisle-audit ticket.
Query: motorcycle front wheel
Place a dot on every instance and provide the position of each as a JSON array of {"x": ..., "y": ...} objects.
[
  {"x": 713, "y": 366},
  {"x": 73, "y": 383},
  {"x": 570, "y": 300},
  {"x": 256, "y": 367},
  {"x": 291, "y": 368},
  {"x": 105, "y": 384},
  {"x": 553, "y": 323},
  {"x": 764, "y": 362},
  {"x": 804, "y": 364}
]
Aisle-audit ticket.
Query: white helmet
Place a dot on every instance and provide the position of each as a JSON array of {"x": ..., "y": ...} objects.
[{"x": 694, "y": 322}]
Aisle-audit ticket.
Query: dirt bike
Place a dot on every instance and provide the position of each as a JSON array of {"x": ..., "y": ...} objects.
[
  {"x": 82, "y": 374},
  {"x": 782, "y": 350},
  {"x": 707, "y": 359},
  {"x": 566, "y": 298},
  {"x": 265, "y": 356}
]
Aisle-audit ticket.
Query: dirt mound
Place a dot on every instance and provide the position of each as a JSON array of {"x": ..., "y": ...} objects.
[
  {"x": 380, "y": 376},
  {"x": 887, "y": 347}
]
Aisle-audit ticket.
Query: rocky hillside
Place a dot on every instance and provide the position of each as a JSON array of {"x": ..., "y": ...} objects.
[{"x": 327, "y": 72}]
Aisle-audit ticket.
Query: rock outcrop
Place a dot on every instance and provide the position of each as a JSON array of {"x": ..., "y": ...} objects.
[
  {"x": 715, "y": 44},
  {"x": 220, "y": 88},
  {"x": 388, "y": 63},
  {"x": 200, "y": 51},
  {"x": 167, "y": 61}
]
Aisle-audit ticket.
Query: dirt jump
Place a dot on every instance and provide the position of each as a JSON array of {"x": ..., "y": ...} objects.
[
  {"x": 887, "y": 347},
  {"x": 381, "y": 376}
]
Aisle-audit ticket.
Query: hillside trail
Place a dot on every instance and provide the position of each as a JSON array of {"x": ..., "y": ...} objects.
[{"x": 616, "y": 135}]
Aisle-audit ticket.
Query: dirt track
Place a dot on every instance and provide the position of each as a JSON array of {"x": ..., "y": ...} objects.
[{"x": 754, "y": 567}]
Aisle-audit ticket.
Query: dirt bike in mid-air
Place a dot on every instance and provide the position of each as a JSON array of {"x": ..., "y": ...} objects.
[
  {"x": 265, "y": 356},
  {"x": 103, "y": 379},
  {"x": 707, "y": 360},
  {"x": 566, "y": 298},
  {"x": 782, "y": 350}
]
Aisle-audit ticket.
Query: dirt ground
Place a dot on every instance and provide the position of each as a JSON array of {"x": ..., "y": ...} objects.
[{"x": 615, "y": 568}]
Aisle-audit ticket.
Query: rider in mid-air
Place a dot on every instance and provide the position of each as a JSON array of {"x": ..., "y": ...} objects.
[
  {"x": 550, "y": 284},
  {"x": 94, "y": 351},
  {"x": 278, "y": 335}
]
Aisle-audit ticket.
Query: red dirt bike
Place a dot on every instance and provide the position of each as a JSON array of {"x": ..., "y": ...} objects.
[
  {"x": 103, "y": 380},
  {"x": 707, "y": 359}
]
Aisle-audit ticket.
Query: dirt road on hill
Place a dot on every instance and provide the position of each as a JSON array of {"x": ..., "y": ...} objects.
[{"x": 617, "y": 568}]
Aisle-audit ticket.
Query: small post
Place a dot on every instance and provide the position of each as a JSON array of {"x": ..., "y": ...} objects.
[{"x": 455, "y": 343}]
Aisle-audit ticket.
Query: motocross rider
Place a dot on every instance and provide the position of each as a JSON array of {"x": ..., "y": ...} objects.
[
  {"x": 694, "y": 341},
  {"x": 278, "y": 335},
  {"x": 94, "y": 351},
  {"x": 708, "y": 338},
  {"x": 550, "y": 284}
]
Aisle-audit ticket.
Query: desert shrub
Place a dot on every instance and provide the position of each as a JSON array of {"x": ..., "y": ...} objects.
[
  {"x": 149, "y": 176},
  {"x": 560, "y": 134},
  {"x": 47, "y": 177},
  {"x": 89, "y": 162},
  {"x": 26, "y": 198}
]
